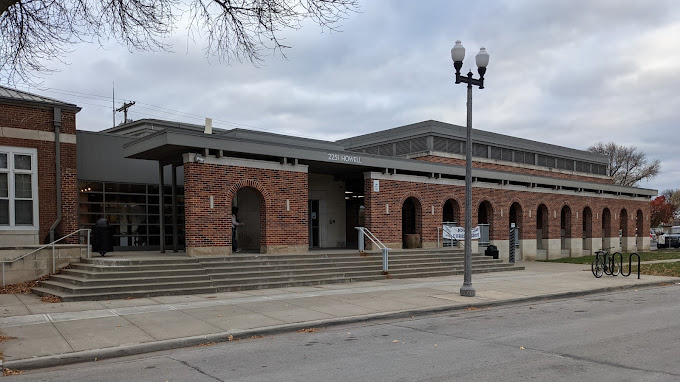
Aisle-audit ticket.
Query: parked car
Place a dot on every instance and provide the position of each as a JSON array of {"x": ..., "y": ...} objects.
[{"x": 670, "y": 239}]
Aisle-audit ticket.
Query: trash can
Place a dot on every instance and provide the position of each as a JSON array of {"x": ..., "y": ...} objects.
[
  {"x": 102, "y": 237},
  {"x": 491, "y": 250}
]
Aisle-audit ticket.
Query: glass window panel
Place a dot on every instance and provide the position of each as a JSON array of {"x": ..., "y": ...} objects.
[
  {"x": 112, "y": 219},
  {"x": 126, "y": 188},
  {"x": 22, "y": 162},
  {"x": 4, "y": 186},
  {"x": 23, "y": 212},
  {"x": 91, "y": 208},
  {"x": 22, "y": 186},
  {"x": 3, "y": 160},
  {"x": 91, "y": 186},
  {"x": 4, "y": 211},
  {"x": 95, "y": 198}
]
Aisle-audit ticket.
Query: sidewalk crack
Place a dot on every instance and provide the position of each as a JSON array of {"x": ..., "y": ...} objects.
[{"x": 197, "y": 369}]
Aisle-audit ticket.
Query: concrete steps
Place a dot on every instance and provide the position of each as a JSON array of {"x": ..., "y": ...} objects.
[{"x": 114, "y": 278}]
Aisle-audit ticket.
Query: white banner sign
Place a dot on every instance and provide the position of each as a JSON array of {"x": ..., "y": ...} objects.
[{"x": 458, "y": 233}]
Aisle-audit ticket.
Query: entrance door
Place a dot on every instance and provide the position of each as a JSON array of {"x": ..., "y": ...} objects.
[{"x": 313, "y": 224}]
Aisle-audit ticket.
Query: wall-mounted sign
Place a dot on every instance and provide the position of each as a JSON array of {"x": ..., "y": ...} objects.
[
  {"x": 344, "y": 158},
  {"x": 376, "y": 185}
]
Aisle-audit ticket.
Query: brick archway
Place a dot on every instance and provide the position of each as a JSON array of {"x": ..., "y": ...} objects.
[{"x": 565, "y": 226}]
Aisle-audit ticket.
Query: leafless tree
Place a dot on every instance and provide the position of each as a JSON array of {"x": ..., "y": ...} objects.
[
  {"x": 34, "y": 33},
  {"x": 627, "y": 165}
]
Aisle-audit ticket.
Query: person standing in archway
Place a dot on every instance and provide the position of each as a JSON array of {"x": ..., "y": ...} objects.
[{"x": 234, "y": 223}]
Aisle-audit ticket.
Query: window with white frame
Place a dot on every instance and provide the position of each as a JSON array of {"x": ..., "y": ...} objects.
[{"x": 18, "y": 188}]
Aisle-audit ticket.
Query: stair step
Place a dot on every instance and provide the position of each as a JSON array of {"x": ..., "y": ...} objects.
[
  {"x": 40, "y": 291},
  {"x": 141, "y": 267},
  {"x": 78, "y": 281},
  {"x": 73, "y": 289},
  {"x": 131, "y": 274},
  {"x": 109, "y": 278}
]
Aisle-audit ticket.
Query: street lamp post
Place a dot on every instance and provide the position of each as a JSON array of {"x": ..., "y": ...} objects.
[{"x": 482, "y": 58}]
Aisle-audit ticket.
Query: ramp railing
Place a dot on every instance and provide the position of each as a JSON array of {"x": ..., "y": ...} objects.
[
  {"x": 364, "y": 232},
  {"x": 52, "y": 244}
]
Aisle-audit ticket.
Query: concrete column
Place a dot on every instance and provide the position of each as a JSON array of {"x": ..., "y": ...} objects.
[
  {"x": 474, "y": 247},
  {"x": 595, "y": 243},
  {"x": 528, "y": 248},
  {"x": 615, "y": 242},
  {"x": 503, "y": 249},
  {"x": 628, "y": 244},
  {"x": 643, "y": 243},
  {"x": 575, "y": 246},
  {"x": 554, "y": 248}
]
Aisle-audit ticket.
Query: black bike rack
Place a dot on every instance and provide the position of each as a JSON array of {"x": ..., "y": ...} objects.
[
  {"x": 630, "y": 265},
  {"x": 609, "y": 265}
]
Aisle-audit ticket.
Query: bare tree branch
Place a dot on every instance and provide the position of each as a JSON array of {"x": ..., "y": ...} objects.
[
  {"x": 627, "y": 165},
  {"x": 33, "y": 33}
]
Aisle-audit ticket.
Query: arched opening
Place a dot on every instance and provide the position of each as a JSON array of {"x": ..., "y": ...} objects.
[
  {"x": 623, "y": 230},
  {"x": 606, "y": 228},
  {"x": 623, "y": 223},
  {"x": 542, "y": 227},
  {"x": 515, "y": 217},
  {"x": 251, "y": 213},
  {"x": 587, "y": 228},
  {"x": 639, "y": 231},
  {"x": 451, "y": 213},
  {"x": 410, "y": 223},
  {"x": 565, "y": 227},
  {"x": 485, "y": 222}
]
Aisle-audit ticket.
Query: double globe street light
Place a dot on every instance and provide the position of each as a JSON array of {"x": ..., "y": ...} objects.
[{"x": 482, "y": 59}]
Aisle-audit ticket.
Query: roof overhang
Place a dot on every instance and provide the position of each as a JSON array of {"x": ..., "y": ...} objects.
[{"x": 167, "y": 147}]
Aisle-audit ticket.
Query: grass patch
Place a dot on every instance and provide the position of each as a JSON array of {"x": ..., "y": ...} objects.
[
  {"x": 644, "y": 256},
  {"x": 660, "y": 269}
]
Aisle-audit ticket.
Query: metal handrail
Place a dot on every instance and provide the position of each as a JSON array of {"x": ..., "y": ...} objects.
[
  {"x": 53, "y": 252},
  {"x": 363, "y": 231}
]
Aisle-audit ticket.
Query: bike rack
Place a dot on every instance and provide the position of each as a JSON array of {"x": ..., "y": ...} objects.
[
  {"x": 630, "y": 265},
  {"x": 608, "y": 264},
  {"x": 619, "y": 271}
]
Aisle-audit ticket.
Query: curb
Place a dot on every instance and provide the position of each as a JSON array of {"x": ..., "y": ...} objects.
[{"x": 162, "y": 345}]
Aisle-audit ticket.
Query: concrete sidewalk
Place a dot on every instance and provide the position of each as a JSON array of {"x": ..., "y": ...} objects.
[{"x": 55, "y": 334}]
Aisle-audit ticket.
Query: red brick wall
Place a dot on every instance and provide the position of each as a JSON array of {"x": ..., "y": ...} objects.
[
  {"x": 40, "y": 119},
  {"x": 522, "y": 170},
  {"x": 388, "y": 227},
  {"x": 35, "y": 118},
  {"x": 206, "y": 227}
]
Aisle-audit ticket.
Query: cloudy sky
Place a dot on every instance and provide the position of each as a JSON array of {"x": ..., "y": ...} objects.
[{"x": 570, "y": 73}]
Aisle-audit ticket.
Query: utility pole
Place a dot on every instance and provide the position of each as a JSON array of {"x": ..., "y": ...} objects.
[{"x": 124, "y": 109}]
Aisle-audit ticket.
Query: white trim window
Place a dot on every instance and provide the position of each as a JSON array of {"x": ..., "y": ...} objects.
[{"x": 18, "y": 188}]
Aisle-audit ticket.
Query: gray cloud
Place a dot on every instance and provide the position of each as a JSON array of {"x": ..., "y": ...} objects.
[{"x": 569, "y": 73}]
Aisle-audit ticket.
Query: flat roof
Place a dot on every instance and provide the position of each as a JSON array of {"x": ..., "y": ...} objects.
[
  {"x": 167, "y": 146},
  {"x": 447, "y": 130}
]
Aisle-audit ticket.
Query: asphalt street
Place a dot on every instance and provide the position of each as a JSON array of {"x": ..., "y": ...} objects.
[{"x": 630, "y": 335}]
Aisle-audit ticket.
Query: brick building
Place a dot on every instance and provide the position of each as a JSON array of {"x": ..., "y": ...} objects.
[
  {"x": 295, "y": 193},
  {"x": 167, "y": 185},
  {"x": 38, "y": 173}
]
